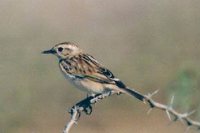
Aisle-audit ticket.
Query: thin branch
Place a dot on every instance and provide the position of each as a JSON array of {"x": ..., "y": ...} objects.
[
  {"x": 73, "y": 120},
  {"x": 86, "y": 106},
  {"x": 184, "y": 117}
]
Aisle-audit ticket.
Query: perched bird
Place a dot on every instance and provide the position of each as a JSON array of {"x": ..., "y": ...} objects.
[{"x": 86, "y": 73}]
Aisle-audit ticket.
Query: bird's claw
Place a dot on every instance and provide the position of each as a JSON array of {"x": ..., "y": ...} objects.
[{"x": 88, "y": 110}]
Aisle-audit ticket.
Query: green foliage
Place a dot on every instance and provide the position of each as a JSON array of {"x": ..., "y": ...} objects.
[{"x": 183, "y": 87}]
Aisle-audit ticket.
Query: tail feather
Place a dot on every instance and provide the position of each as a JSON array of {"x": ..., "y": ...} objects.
[
  {"x": 133, "y": 93},
  {"x": 128, "y": 91}
]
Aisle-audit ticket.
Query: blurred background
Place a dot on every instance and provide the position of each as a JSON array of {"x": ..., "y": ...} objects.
[{"x": 150, "y": 45}]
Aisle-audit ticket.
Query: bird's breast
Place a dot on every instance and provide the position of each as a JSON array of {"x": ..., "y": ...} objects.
[{"x": 83, "y": 84}]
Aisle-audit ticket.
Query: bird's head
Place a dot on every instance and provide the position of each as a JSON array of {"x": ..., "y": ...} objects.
[{"x": 64, "y": 50}]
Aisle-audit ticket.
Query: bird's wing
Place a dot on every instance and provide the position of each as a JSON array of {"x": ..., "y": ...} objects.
[
  {"x": 84, "y": 66},
  {"x": 104, "y": 71},
  {"x": 100, "y": 73},
  {"x": 87, "y": 67}
]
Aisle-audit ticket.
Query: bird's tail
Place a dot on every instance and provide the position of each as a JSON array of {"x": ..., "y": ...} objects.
[
  {"x": 128, "y": 90},
  {"x": 134, "y": 93}
]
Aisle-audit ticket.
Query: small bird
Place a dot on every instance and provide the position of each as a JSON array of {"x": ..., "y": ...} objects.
[{"x": 86, "y": 73}]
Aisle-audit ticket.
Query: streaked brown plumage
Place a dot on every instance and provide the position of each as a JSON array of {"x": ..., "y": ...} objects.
[{"x": 85, "y": 72}]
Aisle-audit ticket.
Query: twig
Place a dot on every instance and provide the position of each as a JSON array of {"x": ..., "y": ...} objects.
[
  {"x": 73, "y": 120},
  {"x": 86, "y": 107},
  {"x": 184, "y": 117}
]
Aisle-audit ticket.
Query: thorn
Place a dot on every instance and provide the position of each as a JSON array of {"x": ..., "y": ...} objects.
[
  {"x": 174, "y": 120},
  {"x": 172, "y": 101},
  {"x": 155, "y": 92},
  {"x": 149, "y": 95},
  {"x": 191, "y": 113},
  {"x": 149, "y": 111},
  {"x": 169, "y": 116},
  {"x": 188, "y": 114}
]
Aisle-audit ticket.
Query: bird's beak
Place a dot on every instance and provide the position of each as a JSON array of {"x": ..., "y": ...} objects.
[{"x": 51, "y": 51}]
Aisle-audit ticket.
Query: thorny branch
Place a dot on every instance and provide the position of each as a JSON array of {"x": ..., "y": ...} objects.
[{"x": 86, "y": 106}]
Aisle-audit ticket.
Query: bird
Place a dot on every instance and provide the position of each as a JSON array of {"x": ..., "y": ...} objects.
[{"x": 86, "y": 73}]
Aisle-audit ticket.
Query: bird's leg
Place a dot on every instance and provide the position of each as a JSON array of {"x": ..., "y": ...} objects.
[{"x": 85, "y": 105}]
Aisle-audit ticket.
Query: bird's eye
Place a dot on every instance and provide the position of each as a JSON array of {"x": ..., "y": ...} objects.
[{"x": 60, "y": 49}]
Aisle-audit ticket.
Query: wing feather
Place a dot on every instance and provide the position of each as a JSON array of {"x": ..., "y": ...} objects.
[{"x": 85, "y": 66}]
